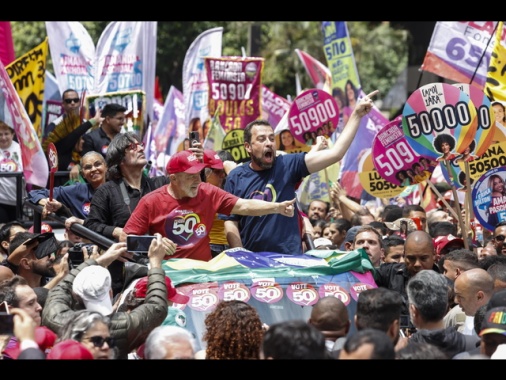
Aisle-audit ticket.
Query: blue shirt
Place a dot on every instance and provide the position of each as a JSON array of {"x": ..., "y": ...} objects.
[{"x": 275, "y": 232}]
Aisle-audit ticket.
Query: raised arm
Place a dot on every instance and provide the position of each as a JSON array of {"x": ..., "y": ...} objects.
[{"x": 318, "y": 160}]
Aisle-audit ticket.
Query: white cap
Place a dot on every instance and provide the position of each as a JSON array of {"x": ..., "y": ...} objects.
[
  {"x": 319, "y": 242},
  {"x": 93, "y": 285}
]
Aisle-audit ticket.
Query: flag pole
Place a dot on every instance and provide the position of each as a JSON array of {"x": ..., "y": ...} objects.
[{"x": 484, "y": 51}]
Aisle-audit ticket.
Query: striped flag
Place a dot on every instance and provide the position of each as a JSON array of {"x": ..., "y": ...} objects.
[
  {"x": 319, "y": 73},
  {"x": 35, "y": 166}
]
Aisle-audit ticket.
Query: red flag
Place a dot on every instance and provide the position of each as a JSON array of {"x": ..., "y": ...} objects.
[
  {"x": 158, "y": 90},
  {"x": 7, "y": 55}
]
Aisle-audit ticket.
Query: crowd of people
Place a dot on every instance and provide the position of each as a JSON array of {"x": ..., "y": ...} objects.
[{"x": 438, "y": 295}]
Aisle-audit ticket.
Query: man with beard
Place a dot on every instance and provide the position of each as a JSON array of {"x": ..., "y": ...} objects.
[
  {"x": 32, "y": 256},
  {"x": 498, "y": 239},
  {"x": 274, "y": 179},
  {"x": 183, "y": 211}
]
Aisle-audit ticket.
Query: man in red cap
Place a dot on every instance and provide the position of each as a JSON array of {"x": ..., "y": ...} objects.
[
  {"x": 219, "y": 164},
  {"x": 183, "y": 211}
]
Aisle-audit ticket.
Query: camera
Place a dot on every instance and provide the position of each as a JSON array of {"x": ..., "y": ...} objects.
[
  {"x": 139, "y": 244},
  {"x": 76, "y": 255},
  {"x": 404, "y": 322}
]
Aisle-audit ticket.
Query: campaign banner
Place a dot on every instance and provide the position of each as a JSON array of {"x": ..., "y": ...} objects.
[
  {"x": 134, "y": 101},
  {"x": 28, "y": 74},
  {"x": 274, "y": 107},
  {"x": 461, "y": 51},
  {"x": 396, "y": 161},
  {"x": 346, "y": 87},
  {"x": 73, "y": 53},
  {"x": 195, "y": 85},
  {"x": 171, "y": 129},
  {"x": 372, "y": 182},
  {"x": 280, "y": 287},
  {"x": 35, "y": 167},
  {"x": 489, "y": 199},
  {"x": 439, "y": 121},
  {"x": 234, "y": 90},
  {"x": 313, "y": 113}
]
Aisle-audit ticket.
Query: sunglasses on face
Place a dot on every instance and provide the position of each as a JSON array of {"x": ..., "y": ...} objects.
[
  {"x": 98, "y": 341},
  {"x": 74, "y": 100},
  {"x": 499, "y": 238},
  {"x": 135, "y": 146}
]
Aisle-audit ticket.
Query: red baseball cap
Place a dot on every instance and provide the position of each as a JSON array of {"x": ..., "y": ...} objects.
[
  {"x": 141, "y": 288},
  {"x": 44, "y": 337},
  {"x": 184, "y": 162},
  {"x": 70, "y": 350},
  {"x": 212, "y": 160},
  {"x": 442, "y": 242}
]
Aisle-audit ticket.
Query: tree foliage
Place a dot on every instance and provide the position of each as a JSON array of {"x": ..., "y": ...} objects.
[{"x": 381, "y": 52}]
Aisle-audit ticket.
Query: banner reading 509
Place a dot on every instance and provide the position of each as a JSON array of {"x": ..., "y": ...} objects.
[{"x": 372, "y": 182}]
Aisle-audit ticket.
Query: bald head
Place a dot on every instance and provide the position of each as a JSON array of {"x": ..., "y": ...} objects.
[
  {"x": 473, "y": 288},
  {"x": 419, "y": 252},
  {"x": 329, "y": 314},
  {"x": 5, "y": 273},
  {"x": 419, "y": 240}
]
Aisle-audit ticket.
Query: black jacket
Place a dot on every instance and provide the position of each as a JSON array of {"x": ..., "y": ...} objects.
[
  {"x": 448, "y": 340},
  {"x": 130, "y": 329}
]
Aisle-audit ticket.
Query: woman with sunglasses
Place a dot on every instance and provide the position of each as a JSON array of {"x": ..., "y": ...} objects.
[{"x": 92, "y": 330}]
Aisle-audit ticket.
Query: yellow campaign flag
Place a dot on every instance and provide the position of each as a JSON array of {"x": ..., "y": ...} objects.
[
  {"x": 495, "y": 87},
  {"x": 216, "y": 134},
  {"x": 27, "y": 74}
]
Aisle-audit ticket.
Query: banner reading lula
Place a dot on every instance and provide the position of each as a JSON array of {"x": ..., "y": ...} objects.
[
  {"x": 341, "y": 62},
  {"x": 28, "y": 74},
  {"x": 35, "y": 167},
  {"x": 73, "y": 53},
  {"x": 195, "y": 86},
  {"x": 235, "y": 88},
  {"x": 461, "y": 50},
  {"x": 125, "y": 60}
]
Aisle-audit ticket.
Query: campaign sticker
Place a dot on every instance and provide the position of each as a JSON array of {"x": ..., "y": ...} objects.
[
  {"x": 313, "y": 113},
  {"x": 302, "y": 293},
  {"x": 395, "y": 160},
  {"x": 439, "y": 121},
  {"x": 234, "y": 143},
  {"x": 267, "y": 291},
  {"x": 333, "y": 290},
  {"x": 203, "y": 297},
  {"x": 494, "y": 157},
  {"x": 358, "y": 288},
  {"x": 233, "y": 290},
  {"x": 489, "y": 198},
  {"x": 372, "y": 182}
]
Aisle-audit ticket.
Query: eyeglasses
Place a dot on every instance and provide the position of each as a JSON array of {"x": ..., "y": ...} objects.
[
  {"x": 98, "y": 341},
  {"x": 74, "y": 100},
  {"x": 135, "y": 146},
  {"x": 499, "y": 237},
  {"x": 95, "y": 165}
]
